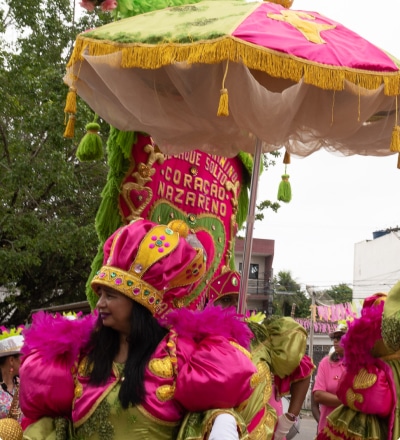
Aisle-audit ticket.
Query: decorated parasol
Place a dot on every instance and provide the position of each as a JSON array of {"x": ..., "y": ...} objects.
[{"x": 225, "y": 76}]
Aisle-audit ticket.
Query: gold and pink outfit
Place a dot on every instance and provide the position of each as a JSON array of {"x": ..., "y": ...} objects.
[
  {"x": 370, "y": 387},
  {"x": 196, "y": 367}
]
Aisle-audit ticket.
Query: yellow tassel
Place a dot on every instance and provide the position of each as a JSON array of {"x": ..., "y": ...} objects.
[
  {"x": 223, "y": 108},
  {"x": 395, "y": 142},
  {"x": 398, "y": 161},
  {"x": 70, "y": 105},
  {"x": 286, "y": 158},
  {"x": 70, "y": 128}
]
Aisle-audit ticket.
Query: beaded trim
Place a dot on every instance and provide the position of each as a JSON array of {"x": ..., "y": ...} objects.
[{"x": 132, "y": 287}]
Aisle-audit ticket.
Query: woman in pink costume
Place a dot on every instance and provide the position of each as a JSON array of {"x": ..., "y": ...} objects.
[
  {"x": 136, "y": 370},
  {"x": 369, "y": 389},
  {"x": 278, "y": 351},
  {"x": 330, "y": 370}
]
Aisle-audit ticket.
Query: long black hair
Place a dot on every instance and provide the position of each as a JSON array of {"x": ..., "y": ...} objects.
[{"x": 145, "y": 334}]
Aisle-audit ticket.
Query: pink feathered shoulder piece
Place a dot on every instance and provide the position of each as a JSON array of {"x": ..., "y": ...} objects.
[
  {"x": 56, "y": 337},
  {"x": 210, "y": 321},
  {"x": 361, "y": 337}
]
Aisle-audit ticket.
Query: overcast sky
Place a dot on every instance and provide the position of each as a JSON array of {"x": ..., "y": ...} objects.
[{"x": 337, "y": 201}]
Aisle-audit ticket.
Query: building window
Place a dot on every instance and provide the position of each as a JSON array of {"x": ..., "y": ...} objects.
[
  {"x": 253, "y": 274},
  {"x": 253, "y": 271}
]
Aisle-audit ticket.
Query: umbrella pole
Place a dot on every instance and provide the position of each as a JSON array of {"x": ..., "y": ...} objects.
[{"x": 248, "y": 240}]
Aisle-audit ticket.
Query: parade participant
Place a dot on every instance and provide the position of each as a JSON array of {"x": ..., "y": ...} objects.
[
  {"x": 11, "y": 342},
  {"x": 146, "y": 362},
  {"x": 369, "y": 389},
  {"x": 329, "y": 372},
  {"x": 278, "y": 351}
]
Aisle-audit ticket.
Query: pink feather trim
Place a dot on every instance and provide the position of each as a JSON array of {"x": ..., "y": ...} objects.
[
  {"x": 210, "y": 321},
  {"x": 57, "y": 338},
  {"x": 361, "y": 336}
]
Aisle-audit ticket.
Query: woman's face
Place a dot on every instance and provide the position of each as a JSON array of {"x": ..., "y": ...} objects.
[
  {"x": 227, "y": 301},
  {"x": 336, "y": 343},
  {"x": 15, "y": 364},
  {"x": 115, "y": 309}
]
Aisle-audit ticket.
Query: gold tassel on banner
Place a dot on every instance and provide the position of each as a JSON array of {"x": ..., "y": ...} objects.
[
  {"x": 70, "y": 110},
  {"x": 70, "y": 128},
  {"x": 70, "y": 104},
  {"x": 395, "y": 142},
  {"x": 398, "y": 161},
  {"x": 223, "y": 107}
]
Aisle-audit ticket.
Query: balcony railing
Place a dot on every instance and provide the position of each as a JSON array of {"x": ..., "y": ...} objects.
[{"x": 258, "y": 287}]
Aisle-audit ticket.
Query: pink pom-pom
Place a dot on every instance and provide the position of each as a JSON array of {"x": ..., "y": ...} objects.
[
  {"x": 109, "y": 5},
  {"x": 88, "y": 5}
]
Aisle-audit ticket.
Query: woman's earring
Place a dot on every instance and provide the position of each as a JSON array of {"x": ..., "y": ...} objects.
[{"x": 11, "y": 369}]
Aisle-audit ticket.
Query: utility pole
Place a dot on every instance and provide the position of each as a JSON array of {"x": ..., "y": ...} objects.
[{"x": 311, "y": 292}]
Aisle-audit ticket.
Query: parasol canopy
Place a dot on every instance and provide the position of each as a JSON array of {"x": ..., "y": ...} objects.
[
  {"x": 216, "y": 75},
  {"x": 224, "y": 76}
]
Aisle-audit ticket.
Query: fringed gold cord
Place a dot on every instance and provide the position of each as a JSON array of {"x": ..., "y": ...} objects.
[
  {"x": 276, "y": 64},
  {"x": 286, "y": 158},
  {"x": 223, "y": 107},
  {"x": 70, "y": 104},
  {"x": 398, "y": 161},
  {"x": 395, "y": 141},
  {"x": 70, "y": 128}
]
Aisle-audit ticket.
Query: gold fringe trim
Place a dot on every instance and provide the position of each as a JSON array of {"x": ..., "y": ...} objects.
[
  {"x": 398, "y": 161},
  {"x": 229, "y": 48}
]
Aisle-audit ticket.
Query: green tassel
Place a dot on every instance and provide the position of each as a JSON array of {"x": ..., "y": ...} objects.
[
  {"x": 91, "y": 145},
  {"x": 285, "y": 190}
]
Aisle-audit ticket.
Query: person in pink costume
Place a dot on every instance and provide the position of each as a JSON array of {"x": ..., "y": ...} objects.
[
  {"x": 278, "y": 351},
  {"x": 369, "y": 388},
  {"x": 137, "y": 368},
  {"x": 330, "y": 370},
  {"x": 11, "y": 342}
]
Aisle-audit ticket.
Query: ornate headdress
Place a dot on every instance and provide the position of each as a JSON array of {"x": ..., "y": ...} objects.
[
  {"x": 226, "y": 284},
  {"x": 153, "y": 264},
  {"x": 11, "y": 341}
]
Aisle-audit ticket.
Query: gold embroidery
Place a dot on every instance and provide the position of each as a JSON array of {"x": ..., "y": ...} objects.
[
  {"x": 256, "y": 379},
  {"x": 364, "y": 379},
  {"x": 162, "y": 367},
  {"x": 84, "y": 368},
  {"x": 265, "y": 428},
  {"x": 78, "y": 390},
  {"x": 242, "y": 349},
  {"x": 136, "y": 194},
  {"x": 310, "y": 30},
  {"x": 165, "y": 392},
  {"x": 352, "y": 397}
]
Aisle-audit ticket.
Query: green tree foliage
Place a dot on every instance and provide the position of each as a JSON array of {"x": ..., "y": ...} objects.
[
  {"x": 289, "y": 299},
  {"x": 341, "y": 293},
  {"x": 48, "y": 199}
]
